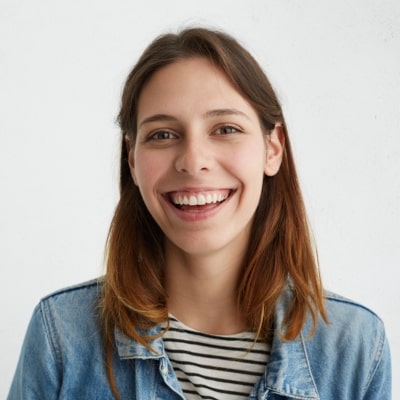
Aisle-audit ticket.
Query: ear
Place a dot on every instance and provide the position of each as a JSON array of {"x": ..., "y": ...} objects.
[
  {"x": 131, "y": 158},
  {"x": 275, "y": 144}
]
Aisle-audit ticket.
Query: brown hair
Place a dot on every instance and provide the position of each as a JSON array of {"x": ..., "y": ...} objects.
[{"x": 280, "y": 249}]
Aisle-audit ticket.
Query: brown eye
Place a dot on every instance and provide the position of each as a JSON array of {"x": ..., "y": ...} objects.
[
  {"x": 226, "y": 130},
  {"x": 162, "y": 135}
]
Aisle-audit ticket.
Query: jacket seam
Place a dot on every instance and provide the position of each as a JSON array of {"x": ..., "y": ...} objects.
[
  {"x": 377, "y": 356},
  {"x": 344, "y": 300},
  {"x": 81, "y": 286},
  {"x": 49, "y": 329},
  {"x": 308, "y": 364}
]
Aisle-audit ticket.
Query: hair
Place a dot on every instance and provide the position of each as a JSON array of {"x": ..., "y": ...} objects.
[{"x": 281, "y": 250}]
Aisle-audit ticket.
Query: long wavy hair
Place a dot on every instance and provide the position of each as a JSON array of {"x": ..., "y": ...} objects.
[{"x": 281, "y": 249}]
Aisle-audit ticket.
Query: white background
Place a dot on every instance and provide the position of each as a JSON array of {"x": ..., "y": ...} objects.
[{"x": 335, "y": 65}]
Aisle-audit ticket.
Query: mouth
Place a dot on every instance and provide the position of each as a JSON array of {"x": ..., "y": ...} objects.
[{"x": 195, "y": 201}]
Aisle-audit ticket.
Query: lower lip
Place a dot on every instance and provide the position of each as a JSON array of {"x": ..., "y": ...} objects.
[{"x": 198, "y": 213}]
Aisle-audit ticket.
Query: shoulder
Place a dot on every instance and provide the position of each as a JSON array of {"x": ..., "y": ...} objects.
[
  {"x": 342, "y": 312},
  {"x": 352, "y": 346},
  {"x": 354, "y": 335},
  {"x": 335, "y": 299},
  {"x": 354, "y": 326},
  {"x": 345, "y": 313},
  {"x": 62, "y": 355},
  {"x": 348, "y": 321},
  {"x": 73, "y": 309},
  {"x": 76, "y": 292}
]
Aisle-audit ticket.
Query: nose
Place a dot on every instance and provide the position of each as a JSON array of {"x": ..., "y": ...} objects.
[{"x": 194, "y": 157}]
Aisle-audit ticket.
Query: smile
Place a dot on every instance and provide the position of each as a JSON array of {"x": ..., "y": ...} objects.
[{"x": 192, "y": 199}]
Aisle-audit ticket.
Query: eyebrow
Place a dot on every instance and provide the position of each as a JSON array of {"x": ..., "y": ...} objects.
[
  {"x": 225, "y": 111},
  {"x": 209, "y": 114},
  {"x": 156, "y": 118}
]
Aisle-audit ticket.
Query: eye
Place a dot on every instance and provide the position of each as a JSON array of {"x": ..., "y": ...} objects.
[
  {"x": 161, "y": 135},
  {"x": 226, "y": 130}
]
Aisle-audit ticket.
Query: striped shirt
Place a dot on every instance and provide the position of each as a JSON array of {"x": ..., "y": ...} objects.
[{"x": 215, "y": 367}]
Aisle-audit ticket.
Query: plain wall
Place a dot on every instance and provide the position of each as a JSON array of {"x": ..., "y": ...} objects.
[{"x": 335, "y": 65}]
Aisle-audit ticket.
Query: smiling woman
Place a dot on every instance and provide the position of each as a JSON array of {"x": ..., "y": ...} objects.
[
  {"x": 200, "y": 140},
  {"x": 212, "y": 287}
]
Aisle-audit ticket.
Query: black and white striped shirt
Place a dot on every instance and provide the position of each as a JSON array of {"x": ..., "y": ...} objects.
[{"x": 215, "y": 367}]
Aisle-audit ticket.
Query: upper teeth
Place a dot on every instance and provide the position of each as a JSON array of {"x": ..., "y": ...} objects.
[{"x": 199, "y": 199}]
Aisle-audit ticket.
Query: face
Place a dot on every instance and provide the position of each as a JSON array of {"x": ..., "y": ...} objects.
[{"x": 200, "y": 157}]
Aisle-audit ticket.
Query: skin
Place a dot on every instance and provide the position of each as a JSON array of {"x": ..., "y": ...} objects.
[{"x": 199, "y": 161}]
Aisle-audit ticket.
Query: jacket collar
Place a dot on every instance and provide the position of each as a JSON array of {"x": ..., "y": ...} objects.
[
  {"x": 128, "y": 348},
  {"x": 288, "y": 373}
]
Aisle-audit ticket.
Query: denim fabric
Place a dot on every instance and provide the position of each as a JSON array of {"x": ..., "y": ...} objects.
[{"x": 62, "y": 358}]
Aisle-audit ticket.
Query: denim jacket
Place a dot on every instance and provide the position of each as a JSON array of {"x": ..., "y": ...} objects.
[{"x": 62, "y": 356}]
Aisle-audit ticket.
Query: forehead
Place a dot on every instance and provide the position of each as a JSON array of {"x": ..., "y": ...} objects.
[{"x": 193, "y": 83}]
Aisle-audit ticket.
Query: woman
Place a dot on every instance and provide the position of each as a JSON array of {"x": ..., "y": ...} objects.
[{"x": 212, "y": 288}]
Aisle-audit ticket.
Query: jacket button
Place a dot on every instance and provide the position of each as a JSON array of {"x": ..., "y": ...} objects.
[{"x": 164, "y": 369}]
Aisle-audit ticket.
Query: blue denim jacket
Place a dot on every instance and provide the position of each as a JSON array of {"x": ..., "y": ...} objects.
[{"x": 62, "y": 356}]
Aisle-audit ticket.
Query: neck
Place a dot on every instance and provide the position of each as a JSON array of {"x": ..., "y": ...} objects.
[{"x": 202, "y": 290}]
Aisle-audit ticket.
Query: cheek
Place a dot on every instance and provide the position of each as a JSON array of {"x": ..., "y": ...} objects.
[
  {"x": 249, "y": 160},
  {"x": 148, "y": 170}
]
